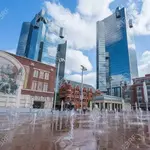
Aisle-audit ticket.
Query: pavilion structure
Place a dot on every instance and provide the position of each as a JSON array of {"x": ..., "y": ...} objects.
[{"x": 108, "y": 102}]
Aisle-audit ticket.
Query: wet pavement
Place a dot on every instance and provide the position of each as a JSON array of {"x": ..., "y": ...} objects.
[{"x": 80, "y": 132}]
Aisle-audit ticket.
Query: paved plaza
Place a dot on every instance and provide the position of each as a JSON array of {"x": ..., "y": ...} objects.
[{"x": 71, "y": 131}]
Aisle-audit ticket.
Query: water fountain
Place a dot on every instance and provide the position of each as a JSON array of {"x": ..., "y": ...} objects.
[
  {"x": 99, "y": 126},
  {"x": 13, "y": 118},
  {"x": 64, "y": 140},
  {"x": 34, "y": 118},
  {"x": 62, "y": 106},
  {"x": 72, "y": 116},
  {"x": 116, "y": 114},
  {"x": 136, "y": 107}
]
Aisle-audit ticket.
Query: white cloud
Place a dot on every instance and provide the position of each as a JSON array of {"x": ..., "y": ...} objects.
[
  {"x": 89, "y": 78},
  {"x": 80, "y": 30},
  {"x": 78, "y": 33},
  {"x": 141, "y": 17},
  {"x": 80, "y": 27},
  {"x": 94, "y": 8},
  {"x": 52, "y": 51},
  {"x": 144, "y": 64},
  {"x": 132, "y": 46},
  {"x": 74, "y": 60},
  {"x": 50, "y": 37}
]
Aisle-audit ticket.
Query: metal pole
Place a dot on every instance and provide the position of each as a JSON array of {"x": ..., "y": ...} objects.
[
  {"x": 111, "y": 86},
  {"x": 121, "y": 89},
  {"x": 56, "y": 85},
  {"x": 82, "y": 91},
  {"x": 121, "y": 95},
  {"x": 111, "y": 91}
]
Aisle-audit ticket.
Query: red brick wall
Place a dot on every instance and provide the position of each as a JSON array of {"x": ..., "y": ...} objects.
[
  {"x": 38, "y": 65},
  {"x": 70, "y": 94},
  {"x": 135, "y": 85}
]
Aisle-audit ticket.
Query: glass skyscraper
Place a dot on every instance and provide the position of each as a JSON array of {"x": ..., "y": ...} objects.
[
  {"x": 33, "y": 42},
  {"x": 61, "y": 53},
  {"x": 114, "y": 39},
  {"x": 23, "y": 40}
]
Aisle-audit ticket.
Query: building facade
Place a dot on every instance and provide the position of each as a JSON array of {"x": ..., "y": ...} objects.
[
  {"x": 33, "y": 41},
  {"x": 137, "y": 92},
  {"x": 32, "y": 38},
  {"x": 36, "y": 44},
  {"x": 70, "y": 92},
  {"x": 114, "y": 38},
  {"x": 108, "y": 102},
  {"x": 25, "y": 83},
  {"x": 61, "y": 53},
  {"x": 23, "y": 40}
]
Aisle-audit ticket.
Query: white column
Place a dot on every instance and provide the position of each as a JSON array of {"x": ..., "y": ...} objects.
[
  {"x": 117, "y": 107},
  {"x": 103, "y": 105},
  {"x": 99, "y": 106},
  {"x": 111, "y": 106}
]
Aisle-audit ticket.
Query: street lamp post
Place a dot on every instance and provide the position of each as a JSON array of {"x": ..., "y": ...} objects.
[
  {"x": 110, "y": 78},
  {"x": 121, "y": 94},
  {"x": 83, "y": 69},
  {"x": 61, "y": 60}
]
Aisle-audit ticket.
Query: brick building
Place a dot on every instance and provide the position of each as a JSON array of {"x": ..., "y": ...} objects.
[
  {"x": 70, "y": 92},
  {"x": 137, "y": 91},
  {"x": 34, "y": 81}
]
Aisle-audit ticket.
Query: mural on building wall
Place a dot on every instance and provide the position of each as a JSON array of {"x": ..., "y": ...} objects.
[{"x": 8, "y": 77}]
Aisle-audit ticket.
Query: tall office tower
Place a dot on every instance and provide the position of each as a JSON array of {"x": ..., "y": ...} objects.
[
  {"x": 32, "y": 38},
  {"x": 23, "y": 40},
  {"x": 113, "y": 38},
  {"x": 61, "y": 53},
  {"x": 37, "y": 38},
  {"x": 33, "y": 42},
  {"x": 101, "y": 55}
]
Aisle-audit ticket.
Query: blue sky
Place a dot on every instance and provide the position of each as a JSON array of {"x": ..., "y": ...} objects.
[
  {"x": 80, "y": 13},
  {"x": 18, "y": 12}
]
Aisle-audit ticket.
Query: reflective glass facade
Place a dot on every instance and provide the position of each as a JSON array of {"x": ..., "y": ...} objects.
[
  {"x": 33, "y": 42},
  {"x": 23, "y": 40},
  {"x": 61, "y": 53},
  {"x": 38, "y": 36},
  {"x": 122, "y": 60},
  {"x": 101, "y": 55}
]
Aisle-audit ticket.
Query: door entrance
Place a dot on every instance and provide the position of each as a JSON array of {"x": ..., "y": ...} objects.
[{"x": 38, "y": 105}]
